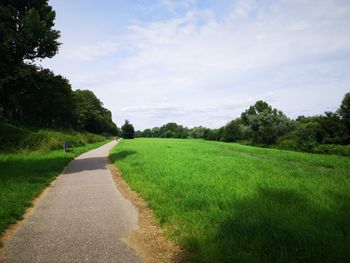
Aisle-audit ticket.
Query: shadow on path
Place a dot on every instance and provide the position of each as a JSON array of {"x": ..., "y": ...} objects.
[{"x": 87, "y": 164}]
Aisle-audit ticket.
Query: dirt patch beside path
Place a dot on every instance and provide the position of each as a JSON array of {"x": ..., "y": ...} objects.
[{"x": 149, "y": 239}]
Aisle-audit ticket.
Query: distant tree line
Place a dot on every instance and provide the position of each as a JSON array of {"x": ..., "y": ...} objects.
[
  {"x": 33, "y": 96},
  {"x": 169, "y": 130},
  {"x": 262, "y": 125}
]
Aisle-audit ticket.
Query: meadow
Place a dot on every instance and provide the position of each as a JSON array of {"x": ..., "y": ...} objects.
[
  {"x": 24, "y": 175},
  {"x": 226, "y": 202}
]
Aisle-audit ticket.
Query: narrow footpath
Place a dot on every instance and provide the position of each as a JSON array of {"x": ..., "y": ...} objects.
[{"x": 81, "y": 219}]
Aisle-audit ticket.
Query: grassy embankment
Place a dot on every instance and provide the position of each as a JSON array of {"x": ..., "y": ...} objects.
[
  {"x": 24, "y": 173},
  {"x": 14, "y": 139},
  {"x": 233, "y": 203}
]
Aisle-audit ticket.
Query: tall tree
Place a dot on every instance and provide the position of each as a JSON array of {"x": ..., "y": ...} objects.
[
  {"x": 344, "y": 112},
  {"x": 26, "y": 31},
  {"x": 26, "y": 34},
  {"x": 128, "y": 130},
  {"x": 266, "y": 124},
  {"x": 91, "y": 115},
  {"x": 231, "y": 131}
]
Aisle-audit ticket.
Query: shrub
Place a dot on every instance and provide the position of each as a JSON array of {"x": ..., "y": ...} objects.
[
  {"x": 304, "y": 138},
  {"x": 11, "y": 135},
  {"x": 333, "y": 149}
]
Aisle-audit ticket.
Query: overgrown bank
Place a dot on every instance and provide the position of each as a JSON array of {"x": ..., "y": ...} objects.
[{"x": 14, "y": 139}]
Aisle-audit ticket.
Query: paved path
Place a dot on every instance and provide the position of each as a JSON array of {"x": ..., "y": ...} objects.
[{"x": 81, "y": 219}]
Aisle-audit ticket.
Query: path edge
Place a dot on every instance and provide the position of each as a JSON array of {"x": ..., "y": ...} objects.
[
  {"x": 149, "y": 239},
  {"x": 11, "y": 229}
]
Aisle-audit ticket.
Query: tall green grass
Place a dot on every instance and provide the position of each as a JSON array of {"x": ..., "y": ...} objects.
[
  {"x": 234, "y": 203},
  {"x": 14, "y": 138}
]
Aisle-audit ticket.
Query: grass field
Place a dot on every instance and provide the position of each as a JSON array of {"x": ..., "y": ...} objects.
[
  {"x": 232, "y": 203},
  {"x": 24, "y": 175}
]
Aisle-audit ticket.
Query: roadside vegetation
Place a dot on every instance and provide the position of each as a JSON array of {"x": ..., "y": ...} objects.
[
  {"x": 24, "y": 175},
  {"x": 14, "y": 139},
  {"x": 234, "y": 203},
  {"x": 30, "y": 158}
]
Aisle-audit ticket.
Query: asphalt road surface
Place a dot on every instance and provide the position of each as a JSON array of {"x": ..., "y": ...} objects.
[{"x": 81, "y": 219}]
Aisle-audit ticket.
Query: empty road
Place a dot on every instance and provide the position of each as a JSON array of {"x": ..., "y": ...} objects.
[{"x": 81, "y": 219}]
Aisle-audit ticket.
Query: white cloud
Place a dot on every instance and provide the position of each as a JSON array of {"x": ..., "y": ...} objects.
[
  {"x": 90, "y": 52},
  {"x": 293, "y": 54}
]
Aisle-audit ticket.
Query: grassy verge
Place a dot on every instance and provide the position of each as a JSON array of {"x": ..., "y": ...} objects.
[
  {"x": 234, "y": 203},
  {"x": 14, "y": 138},
  {"x": 24, "y": 175}
]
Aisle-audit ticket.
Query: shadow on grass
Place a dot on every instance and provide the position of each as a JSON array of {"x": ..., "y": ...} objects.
[
  {"x": 281, "y": 226},
  {"x": 32, "y": 167},
  {"x": 121, "y": 155}
]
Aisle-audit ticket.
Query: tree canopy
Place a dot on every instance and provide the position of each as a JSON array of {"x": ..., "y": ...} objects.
[
  {"x": 31, "y": 95},
  {"x": 128, "y": 131},
  {"x": 27, "y": 32},
  {"x": 266, "y": 124},
  {"x": 91, "y": 115}
]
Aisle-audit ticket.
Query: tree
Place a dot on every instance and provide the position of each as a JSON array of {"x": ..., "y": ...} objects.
[
  {"x": 333, "y": 129},
  {"x": 266, "y": 124},
  {"x": 173, "y": 130},
  {"x": 197, "y": 132},
  {"x": 26, "y": 31},
  {"x": 344, "y": 109},
  {"x": 304, "y": 138},
  {"x": 40, "y": 98},
  {"x": 156, "y": 132},
  {"x": 26, "y": 34},
  {"x": 169, "y": 130},
  {"x": 34, "y": 96},
  {"x": 231, "y": 131},
  {"x": 211, "y": 134},
  {"x": 128, "y": 131},
  {"x": 91, "y": 115},
  {"x": 344, "y": 112},
  {"x": 146, "y": 133}
]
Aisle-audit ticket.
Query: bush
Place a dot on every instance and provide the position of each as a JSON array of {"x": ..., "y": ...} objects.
[
  {"x": 333, "y": 149},
  {"x": 11, "y": 135},
  {"x": 304, "y": 138},
  {"x": 211, "y": 135}
]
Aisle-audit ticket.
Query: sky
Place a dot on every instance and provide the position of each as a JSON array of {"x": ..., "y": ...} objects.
[{"x": 201, "y": 62}]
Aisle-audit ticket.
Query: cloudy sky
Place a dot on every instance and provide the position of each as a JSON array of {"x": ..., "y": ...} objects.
[{"x": 200, "y": 62}]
